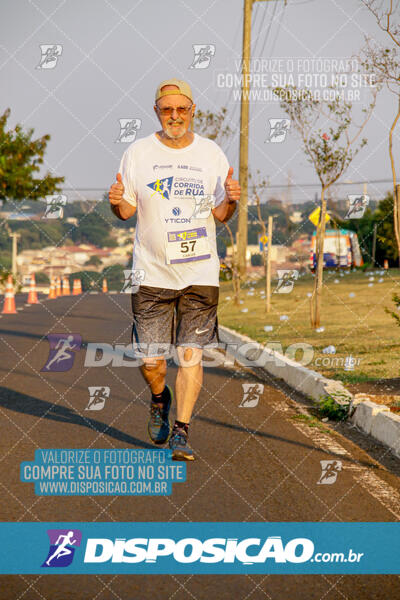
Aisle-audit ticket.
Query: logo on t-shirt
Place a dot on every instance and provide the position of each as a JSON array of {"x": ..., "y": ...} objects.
[{"x": 161, "y": 186}]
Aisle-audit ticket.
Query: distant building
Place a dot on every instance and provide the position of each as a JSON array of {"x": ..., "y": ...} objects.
[{"x": 59, "y": 261}]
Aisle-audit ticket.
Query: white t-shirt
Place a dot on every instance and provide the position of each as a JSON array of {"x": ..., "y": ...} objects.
[{"x": 174, "y": 191}]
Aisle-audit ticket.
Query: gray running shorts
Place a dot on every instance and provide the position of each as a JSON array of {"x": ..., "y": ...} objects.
[{"x": 162, "y": 317}]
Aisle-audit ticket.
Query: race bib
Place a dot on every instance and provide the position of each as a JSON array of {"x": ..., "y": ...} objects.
[{"x": 187, "y": 245}]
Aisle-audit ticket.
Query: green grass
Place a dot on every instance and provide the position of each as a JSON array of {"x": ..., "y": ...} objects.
[
  {"x": 357, "y": 326},
  {"x": 311, "y": 422}
]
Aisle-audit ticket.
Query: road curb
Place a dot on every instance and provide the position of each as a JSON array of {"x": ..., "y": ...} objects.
[
  {"x": 375, "y": 420},
  {"x": 299, "y": 377}
]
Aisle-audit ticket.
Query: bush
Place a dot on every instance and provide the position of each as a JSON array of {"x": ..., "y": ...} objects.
[
  {"x": 256, "y": 260},
  {"x": 328, "y": 407},
  {"x": 41, "y": 277}
]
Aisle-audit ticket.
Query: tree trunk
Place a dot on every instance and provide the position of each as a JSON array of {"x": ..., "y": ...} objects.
[
  {"x": 235, "y": 269},
  {"x": 396, "y": 195},
  {"x": 317, "y": 292}
]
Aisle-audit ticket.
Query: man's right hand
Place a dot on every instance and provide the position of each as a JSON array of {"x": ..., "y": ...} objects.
[{"x": 116, "y": 191}]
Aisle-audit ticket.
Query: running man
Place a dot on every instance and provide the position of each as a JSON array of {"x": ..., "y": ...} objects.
[
  {"x": 63, "y": 345},
  {"x": 177, "y": 301},
  {"x": 62, "y": 549}
]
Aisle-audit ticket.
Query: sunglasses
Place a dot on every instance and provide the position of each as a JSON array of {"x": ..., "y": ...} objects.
[{"x": 168, "y": 110}]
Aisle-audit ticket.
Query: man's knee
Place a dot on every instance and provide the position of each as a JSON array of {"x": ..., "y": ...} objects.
[
  {"x": 152, "y": 364},
  {"x": 188, "y": 357}
]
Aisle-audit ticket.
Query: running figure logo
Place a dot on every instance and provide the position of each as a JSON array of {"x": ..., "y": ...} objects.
[
  {"x": 97, "y": 397},
  {"x": 128, "y": 130},
  {"x": 286, "y": 277},
  {"x": 50, "y": 55},
  {"x": 54, "y": 206},
  {"x": 62, "y": 351},
  {"x": 357, "y": 206},
  {"x": 202, "y": 55},
  {"x": 62, "y": 547},
  {"x": 251, "y": 394},
  {"x": 278, "y": 130},
  {"x": 161, "y": 186},
  {"x": 330, "y": 470},
  {"x": 203, "y": 206},
  {"x": 133, "y": 278}
]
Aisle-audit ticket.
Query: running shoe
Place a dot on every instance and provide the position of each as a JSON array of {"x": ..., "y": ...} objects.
[
  {"x": 178, "y": 443},
  {"x": 158, "y": 426}
]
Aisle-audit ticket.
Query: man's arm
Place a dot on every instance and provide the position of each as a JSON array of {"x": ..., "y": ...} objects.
[
  {"x": 120, "y": 207},
  {"x": 225, "y": 210},
  {"x": 123, "y": 210}
]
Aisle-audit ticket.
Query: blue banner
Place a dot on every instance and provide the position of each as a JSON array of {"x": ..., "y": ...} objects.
[{"x": 208, "y": 548}]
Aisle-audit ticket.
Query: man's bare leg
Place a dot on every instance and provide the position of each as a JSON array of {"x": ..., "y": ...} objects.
[
  {"x": 154, "y": 371},
  {"x": 158, "y": 426},
  {"x": 188, "y": 381}
]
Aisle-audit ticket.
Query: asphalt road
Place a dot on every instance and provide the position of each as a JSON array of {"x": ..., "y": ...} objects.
[{"x": 253, "y": 464}]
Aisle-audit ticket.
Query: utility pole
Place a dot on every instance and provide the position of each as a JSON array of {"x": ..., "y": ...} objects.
[
  {"x": 14, "y": 236},
  {"x": 244, "y": 137},
  {"x": 269, "y": 254}
]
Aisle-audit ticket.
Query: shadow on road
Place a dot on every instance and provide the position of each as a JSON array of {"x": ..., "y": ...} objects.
[
  {"x": 280, "y": 439},
  {"x": 29, "y": 405}
]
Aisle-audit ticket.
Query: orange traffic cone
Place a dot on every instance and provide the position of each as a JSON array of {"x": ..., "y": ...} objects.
[
  {"x": 105, "y": 286},
  {"x": 79, "y": 286},
  {"x": 386, "y": 264},
  {"x": 75, "y": 287},
  {"x": 52, "y": 292},
  {"x": 9, "y": 300},
  {"x": 32, "y": 296},
  {"x": 65, "y": 287},
  {"x": 58, "y": 287}
]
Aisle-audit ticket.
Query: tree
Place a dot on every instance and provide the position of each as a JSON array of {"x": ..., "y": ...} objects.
[
  {"x": 327, "y": 133},
  {"x": 257, "y": 186},
  {"x": 115, "y": 277},
  {"x": 396, "y": 316},
  {"x": 386, "y": 241},
  {"x": 384, "y": 64},
  {"x": 91, "y": 280},
  {"x": 235, "y": 268},
  {"x": 213, "y": 125},
  {"x": 94, "y": 260},
  {"x": 93, "y": 230},
  {"x": 20, "y": 160}
]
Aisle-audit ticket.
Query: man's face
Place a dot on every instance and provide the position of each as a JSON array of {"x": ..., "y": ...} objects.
[{"x": 174, "y": 113}]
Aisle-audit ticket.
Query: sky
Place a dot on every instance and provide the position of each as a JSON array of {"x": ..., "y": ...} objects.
[{"x": 115, "y": 52}]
